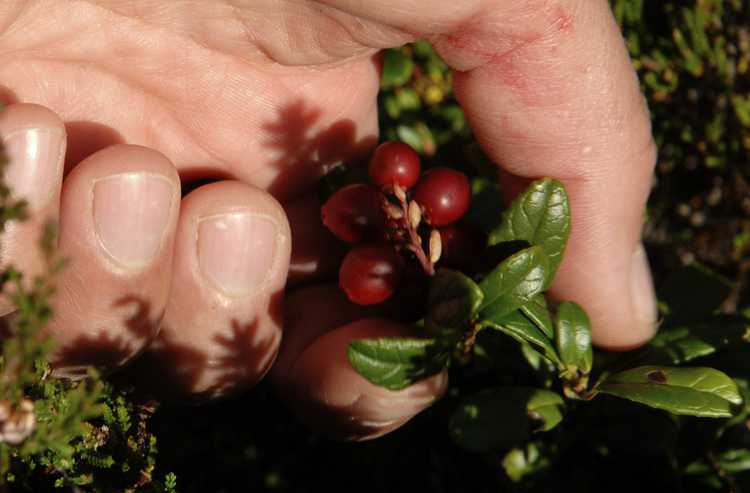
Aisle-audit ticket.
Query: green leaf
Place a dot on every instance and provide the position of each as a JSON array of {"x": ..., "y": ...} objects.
[
  {"x": 733, "y": 461},
  {"x": 541, "y": 216},
  {"x": 693, "y": 292},
  {"x": 452, "y": 300},
  {"x": 702, "y": 392},
  {"x": 520, "y": 328},
  {"x": 396, "y": 363},
  {"x": 513, "y": 283},
  {"x": 537, "y": 311},
  {"x": 526, "y": 461},
  {"x": 397, "y": 69},
  {"x": 503, "y": 417},
  {"x": 573, "y": 337},
  {"x": 409, "y": 135},
  {"x": 686, "y": 341}
]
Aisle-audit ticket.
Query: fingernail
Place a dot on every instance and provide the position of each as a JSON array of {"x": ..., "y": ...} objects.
[
  {"x": 236, "y": 251},
  {"x": 642, "y": 286},
  {"x": 34, "y": 164},
  {"x": 131, "y": 214}
]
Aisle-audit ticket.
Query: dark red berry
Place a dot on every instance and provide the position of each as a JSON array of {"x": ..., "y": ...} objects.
[
  {"x": 445, "y": 195},
  {"x": 353, "y": 213},
  {"x": 394, "y": 162},
  {"x": 461, "y": 245},
  {"x": 370, "y": 273}
]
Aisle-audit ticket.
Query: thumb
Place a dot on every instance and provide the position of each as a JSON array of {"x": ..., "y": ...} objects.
[{"x": 565, "y": 103}]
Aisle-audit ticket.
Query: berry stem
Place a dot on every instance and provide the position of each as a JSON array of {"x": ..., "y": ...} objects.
[{"x": 413, "y": 242}]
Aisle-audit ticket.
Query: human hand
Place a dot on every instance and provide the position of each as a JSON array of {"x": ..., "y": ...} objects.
[{"x": 266, "y": 97}]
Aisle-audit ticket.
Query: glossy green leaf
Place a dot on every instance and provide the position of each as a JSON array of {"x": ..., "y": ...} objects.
[
  {"x": 503, "y": 417},
  {"x": 703, "y": 392},
  {"x": 693, "y": 292},
  {"x": 520, "y": 328},
  {"x": 573, "y": 337},
  {"x": 452, "y": 300},
  {"x": 537, "y": 311},
  {"x": 396, "y": 363},
  {"x": 686, "y": 341},
  {"x": 513, "y": 283},
  {"x": 397, "y": 69},
  {"x": 541, "y": 216}
]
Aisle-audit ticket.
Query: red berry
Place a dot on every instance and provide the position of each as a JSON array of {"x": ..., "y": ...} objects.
[
  {"x": 394, "y": 162},
  {"x": 461, "y": 245},
  {"x": 354, "y": 212},
  {"x": 370, "y": 273},
  {"x": 445, "y": 194}
]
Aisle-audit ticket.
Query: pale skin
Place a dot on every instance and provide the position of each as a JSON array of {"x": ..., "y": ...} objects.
[{"x": 263, "y": 96}]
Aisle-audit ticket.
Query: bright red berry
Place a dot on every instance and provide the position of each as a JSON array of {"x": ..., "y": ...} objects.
[
  {"x": 394, "y": 162},
  {"x": 354, "y": 212},
  {"x": 445, "y": 195},
  {"x": 370, "y": 273}
]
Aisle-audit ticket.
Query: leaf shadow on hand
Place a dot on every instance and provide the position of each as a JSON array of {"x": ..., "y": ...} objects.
[
  {"x": 173, "y": 370},
  {"x": 304, "y": 149},
  {"x": 108, "y": 348},
  {"x": 347, "y": 422}
]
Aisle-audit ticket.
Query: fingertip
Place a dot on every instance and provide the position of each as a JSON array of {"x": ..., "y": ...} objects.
[
  {"x": 222, "y": 326},
  {"x": 334, "y": 399},
  {"x": 642, "y": 326},
  {"x": 616, "y": 290},
  {"x": 118, "y": 217},
  {"x": 34, "y": 143}
]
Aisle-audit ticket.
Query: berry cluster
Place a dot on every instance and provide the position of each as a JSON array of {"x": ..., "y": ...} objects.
[{"x": 400, "y": 218}]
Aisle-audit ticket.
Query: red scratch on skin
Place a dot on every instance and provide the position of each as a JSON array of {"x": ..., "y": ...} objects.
[
  {"x": 563, "y": 21},
  {"x": 508, "y": 55},
  {"x": 466, "y": 42}
]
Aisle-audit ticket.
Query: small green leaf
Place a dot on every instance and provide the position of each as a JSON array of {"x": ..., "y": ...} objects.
[
  {"x": 702, "y": 392},
  {"x": 520, "y": 328},
  {"x": 541, "y": 216},
  {"x": 409, "y": 135},
  {"x": 397, "y": 69},
  {"x": 573, "y": 337},
  {"x": 733, "y": 461},
  {"x": 693, "y": 292},
  {"x": 537, "y": 311},
  {"x": 526, "y": 461},
  {"x": 452, "y": 300},
  {"x": 396, "y": 363},
  {"x": 503, "y": 417},
  {"x": 513, "y": 283},
  {"x": 685, "y": 342}
]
